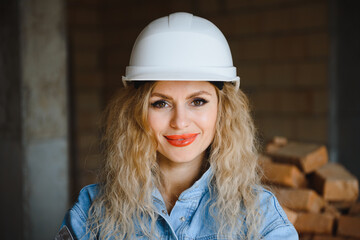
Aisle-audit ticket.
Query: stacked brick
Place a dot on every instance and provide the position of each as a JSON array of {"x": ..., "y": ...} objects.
[{"x": 318, "y": 197}]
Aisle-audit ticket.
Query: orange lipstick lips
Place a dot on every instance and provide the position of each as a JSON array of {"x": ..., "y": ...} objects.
[{"x": 182, "y": 140}]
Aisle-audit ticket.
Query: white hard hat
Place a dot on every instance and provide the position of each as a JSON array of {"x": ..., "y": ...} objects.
[{"x": 183, "y": 47}]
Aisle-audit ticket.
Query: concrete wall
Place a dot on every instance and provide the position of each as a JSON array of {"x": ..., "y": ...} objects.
[
  {"x": 11, "y": 152},
  {"x": 344, "y": 115},
  {"x": 44, "y": 113},
  {"x": 34, "y": 114}
]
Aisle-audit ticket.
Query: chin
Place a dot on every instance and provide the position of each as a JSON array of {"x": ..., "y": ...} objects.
[
  {"x": 186, "y": 154},
  {"x": 183, "y": 156}
]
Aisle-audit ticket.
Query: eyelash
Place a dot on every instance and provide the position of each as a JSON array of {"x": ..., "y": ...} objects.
[
  {"x": 156, "y": 104},
  {"x": 200, "y": 102}
]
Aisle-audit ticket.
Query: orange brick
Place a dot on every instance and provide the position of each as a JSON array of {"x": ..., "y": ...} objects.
[
  {"x": 308, "y": 157},
  {"x": 291, "y": 215},
  {"x": 328, "y": 208},
  {"x": 342, "y": 206},
  {"x": 280, "y": 141},
  {"x": 349, "y": 226},
  {"x": 355, "y": 209},
  {"x": 300, "y": 199},
  {"x": 320, "y": 223},
  {"x": 271, "y": 147},
  {"x": 328, "y": 237},
  {"x": 335, "y": 183},
  {"x": 305, "y": 236},
  {"x": 282, "y": 174}
]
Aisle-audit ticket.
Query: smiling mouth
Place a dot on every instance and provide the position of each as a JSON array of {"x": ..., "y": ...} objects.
[{"x": 181, "y": 140}]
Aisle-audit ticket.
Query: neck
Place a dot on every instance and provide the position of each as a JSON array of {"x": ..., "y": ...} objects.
[{"x": 177, "y": 177}]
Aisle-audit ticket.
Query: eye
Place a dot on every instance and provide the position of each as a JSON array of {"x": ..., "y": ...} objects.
[
  {"x": 197, "y": 102},
  {"x": 160, "y": 104}
]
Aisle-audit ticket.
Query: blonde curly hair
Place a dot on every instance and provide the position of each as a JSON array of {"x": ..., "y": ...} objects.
[{"x": 130, "y": 171}]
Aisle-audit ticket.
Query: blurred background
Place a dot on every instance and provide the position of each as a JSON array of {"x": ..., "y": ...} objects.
[{"x": 62, "y": 61}]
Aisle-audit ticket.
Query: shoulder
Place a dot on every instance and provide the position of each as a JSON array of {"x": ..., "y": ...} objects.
[
  {"x": 275, "y": 223},
  {"x": 75, "y": 219},
  {"x": 86, "y": 197},
  {"x": 270, "y": 205},
  {"x": 88, "y": 194}
]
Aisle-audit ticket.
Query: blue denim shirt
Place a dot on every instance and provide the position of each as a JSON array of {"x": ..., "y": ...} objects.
[{"x": 189, "y": 218}]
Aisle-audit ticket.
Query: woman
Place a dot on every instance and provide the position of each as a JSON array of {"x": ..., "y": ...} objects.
[{"x": 180, "y": 153}]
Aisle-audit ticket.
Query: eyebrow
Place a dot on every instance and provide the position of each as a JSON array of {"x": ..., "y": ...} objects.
[{"x": 155, "y": 94}]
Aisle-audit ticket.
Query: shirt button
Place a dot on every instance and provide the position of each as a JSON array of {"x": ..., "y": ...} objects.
[
  {"x": 164, "y": 212},
  {"x": 182, "y": 219}
]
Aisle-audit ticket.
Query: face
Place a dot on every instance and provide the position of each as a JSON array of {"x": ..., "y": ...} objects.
[{"x": 182, "y": 116}]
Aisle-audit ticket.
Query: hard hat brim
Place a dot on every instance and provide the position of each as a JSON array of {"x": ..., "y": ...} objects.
[
  {"x": 181, "y": 76},
  {"x": 223, "y": 74}
]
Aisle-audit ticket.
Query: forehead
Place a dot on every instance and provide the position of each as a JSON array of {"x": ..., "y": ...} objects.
[{"x": 183, "y": 86}]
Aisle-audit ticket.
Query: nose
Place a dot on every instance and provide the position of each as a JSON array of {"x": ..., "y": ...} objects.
[{"x": 179, "y": 119}]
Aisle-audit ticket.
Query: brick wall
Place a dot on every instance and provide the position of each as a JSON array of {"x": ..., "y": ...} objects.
[
  {"x": 280, "y": 48},
  {"x": 281, "y": 51},
  {"x": 86, "y": 60}
]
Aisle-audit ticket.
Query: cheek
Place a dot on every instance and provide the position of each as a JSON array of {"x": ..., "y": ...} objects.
[
  {"x": 208, "y": 120},
  {"x": 155, "y": 121}
]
